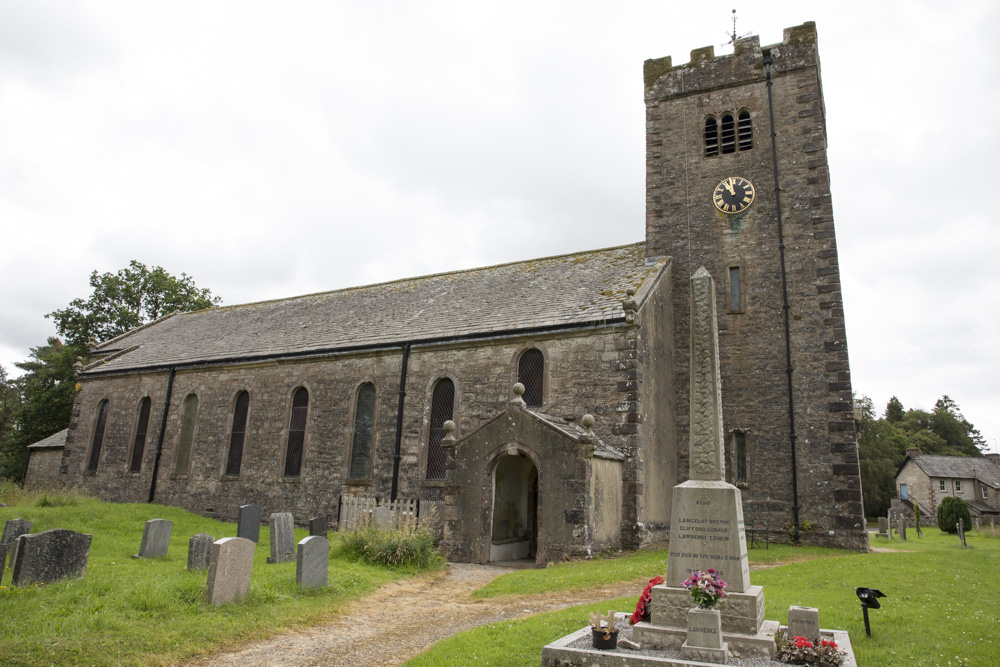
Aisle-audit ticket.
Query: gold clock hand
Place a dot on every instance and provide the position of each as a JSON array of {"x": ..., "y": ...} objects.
[{"x": 729, "y": 186}]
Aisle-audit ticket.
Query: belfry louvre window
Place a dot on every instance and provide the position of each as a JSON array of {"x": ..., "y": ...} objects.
[
  {"x": 140, "y": 436},
  {"x": 361, "y": 446},
  {"x": 740, "y": 447},
  {"x": 442, "y": 407},
  {"x": 238, "y": 435},
  {"x": 95, "y": 448},
  {"x": 728, "y": 133},
  {"x": 297, "y": 432},
  {"x": 530, "y": 373},
  {"x": 745, "y": 131},
  {"x": 188, "y": 420},
  {"x": 711, "y": 137}
]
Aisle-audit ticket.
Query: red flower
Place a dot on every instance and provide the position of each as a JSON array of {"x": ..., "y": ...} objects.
[
  {"x": 802, "y": 642},
  {"x": 831, "y": 644},
  {"x": 644, "y": 600}
]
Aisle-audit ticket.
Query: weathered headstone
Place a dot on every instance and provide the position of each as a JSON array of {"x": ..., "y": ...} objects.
[
  {"x": 155, "y": 538},
  {"x": 282, "y": 525},
  {"x": 13, "y": 529},
  {"x": 3, "y": 559},
  {"x": 901, "y": 527},
  {"x": 803, "y": 622},
  {"x": 229, "y": 570},
  {"x": 312, "y": 562},
  {"x": 318, "y": 525},
  {"x": 883, "y": 527},
  {"x": 961, "y": 530},
  {"x": 248, "y": 523},
  {"x": 49, "y": 556},
  {"x": 704, "y": 637},
  {"x": 199, "y": 551}
]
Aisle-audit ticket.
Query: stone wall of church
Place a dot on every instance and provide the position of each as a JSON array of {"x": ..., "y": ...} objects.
[
  {"x": 583, "y": 374},
  {"x": 683, "y": 223}
]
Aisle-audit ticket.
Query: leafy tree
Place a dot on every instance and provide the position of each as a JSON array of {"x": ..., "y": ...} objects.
[
  {"x": 10, "y": 404},
  {"x": 950, "y": 511},
  {"x": 128, "y": 299},
  {"x": 47, "y": 391},
  {"x": 894, "y": 410}
]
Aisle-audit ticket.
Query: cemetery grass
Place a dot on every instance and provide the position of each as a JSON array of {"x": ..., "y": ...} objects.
[
  {"x": 127, "y": 611},
  {"x": 942, "y": 606}
]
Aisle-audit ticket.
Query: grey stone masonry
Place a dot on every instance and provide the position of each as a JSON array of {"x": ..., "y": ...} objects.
[
  {"x": 706, "y": 448},
  {"x": 199, "y": 551},
  {"x": 248, "y": 523},
  {"x": 229, "y": 570},
  {"x": 803, "y": 622},
  {"x": 155, "y": 538},
  {"x": 49, "y": 556},
  {"x": 282, "y": 525},
  {"x": 312, "y": 562}
]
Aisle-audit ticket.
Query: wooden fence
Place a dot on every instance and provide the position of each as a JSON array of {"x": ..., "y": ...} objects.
[{"x": 358, "y": 510}]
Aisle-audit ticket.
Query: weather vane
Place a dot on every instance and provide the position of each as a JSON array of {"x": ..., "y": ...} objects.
[{"x": 733, "y": 37}]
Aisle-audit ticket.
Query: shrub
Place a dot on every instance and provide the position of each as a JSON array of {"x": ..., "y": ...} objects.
[
  {"x": 405, "y": 545},
  {"x": 950, "y": 511}
]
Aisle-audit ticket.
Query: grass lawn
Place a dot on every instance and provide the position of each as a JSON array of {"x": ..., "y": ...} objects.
[
  {"x": 129, "y": 611},
  {"x": 943, "y": 605}
]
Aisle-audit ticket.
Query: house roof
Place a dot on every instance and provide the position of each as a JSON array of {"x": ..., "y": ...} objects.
[
  {"x": 564, "y": 291},
  {"x": 959, "y": 467},
  {"x": 54, "y": 441}
]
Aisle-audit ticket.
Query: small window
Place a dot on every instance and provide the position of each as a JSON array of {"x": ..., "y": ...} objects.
[
  {"x": 711, "y": 137},
  {"x": 95, "y": 448},
  {"x": 728, "y": 133},
  {"x": 296, "y": 432},
  {"x": 530, "y": 373},
  {"x": 442, "y": 407},
  {"x": 958, "y": 486},
  {"x": 943, "y": 485},
  {"x": 238, "y": 435},
  {"x": 735, "y": 289},
  {"x": 745, "y": 130},
  {"x": 189, "y": 418},
  {"x": 140, "y": 436},
  {"x": 986, "y": 493},
  {"x": 740, "y": 450},
  {"x": 361, "y": 446}
]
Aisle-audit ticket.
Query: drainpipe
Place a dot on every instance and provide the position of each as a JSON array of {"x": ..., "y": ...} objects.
[
  {"x": 784, "y": 305},
  {"x": 163, "y": 429},
  {"x": 399, "y": 422}
]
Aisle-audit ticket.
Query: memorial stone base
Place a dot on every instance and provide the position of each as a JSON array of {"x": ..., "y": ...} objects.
[{"x": 742, "y": 613}]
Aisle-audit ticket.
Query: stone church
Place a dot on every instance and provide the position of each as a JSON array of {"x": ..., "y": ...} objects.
[{"x": 541, "y": 406}]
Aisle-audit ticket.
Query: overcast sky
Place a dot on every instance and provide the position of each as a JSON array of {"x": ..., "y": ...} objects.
[{"x": 275, "y": 149}]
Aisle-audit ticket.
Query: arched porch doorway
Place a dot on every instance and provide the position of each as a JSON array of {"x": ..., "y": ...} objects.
[{"x": 514, "y": 521}]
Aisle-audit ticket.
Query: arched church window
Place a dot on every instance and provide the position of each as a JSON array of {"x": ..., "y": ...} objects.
[
  {"x": 140, "y": 436},
  {"x": 296, "y": 432},
  {"x": 745, "y": 130},
  {"x": 711, "y": 136},
  {"x": 530, "y": 373},
  {"x": 728, "y": 133},
  {"x": 95, "y": 447},
  {"x": 237, "y": 436},
  {"x": 189, "y": 417},
  {"x": 442, "y": 408},
  {"x": 361, "y": 445}
]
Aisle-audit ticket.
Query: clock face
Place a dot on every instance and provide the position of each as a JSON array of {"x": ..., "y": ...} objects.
[{"x": 733, "y": 195}]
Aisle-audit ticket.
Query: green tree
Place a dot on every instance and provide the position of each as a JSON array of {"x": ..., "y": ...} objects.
[
  {"x": 894, "y": 410},
  {"x": 128, "y": 299},
  {"x": 950, "y": 511},
  {"x": 10, "y": 405},
  {"x": 46, "y": 394},
  {"x": 882, "y": 449}
]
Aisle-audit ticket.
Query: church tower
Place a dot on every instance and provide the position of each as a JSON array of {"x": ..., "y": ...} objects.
[{"x": 737, "y": 181}]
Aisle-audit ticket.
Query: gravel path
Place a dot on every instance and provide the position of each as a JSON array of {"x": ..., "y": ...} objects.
[{"x": 402, "y": 619}]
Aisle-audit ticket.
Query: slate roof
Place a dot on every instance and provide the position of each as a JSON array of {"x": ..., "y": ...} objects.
[
  {"x": 552, "y": 292},
  {"x": 959, "y": 467},
  {"x": 54, "y": 441}
]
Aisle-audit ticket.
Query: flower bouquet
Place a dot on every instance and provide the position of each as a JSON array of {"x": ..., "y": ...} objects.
[{"x": 707, "y": 588}]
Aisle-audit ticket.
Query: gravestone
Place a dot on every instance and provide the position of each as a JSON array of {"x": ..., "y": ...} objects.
[
  {"x": 229, "y": 570},
  {"x": 706, "y": 520},
  {"x": 3, "y": 560},
  {"x": 155, "y": 538},
  {"x": 199, "y": 551},
  {"x": 13, "y": 529},
  {"x": 248, "y": 523},
  {"x": 901, "y": 527},
  {"x": 883, "y": 527},
  {"x": 319, "y": 525},
  {"x": 803, "y": 622},
  {"x": 312, "y": 562},
  {"x": 704, "y": 638},
  {"x": 961, "y": 530},
  {"x": 49, "y": 556},
  {"x": 282, "y": 525}
]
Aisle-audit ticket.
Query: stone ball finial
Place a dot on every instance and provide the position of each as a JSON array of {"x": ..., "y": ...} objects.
[
  {"x": 449, "y": 426},
  {"x": 588, "y": 421},
  {"x": 630, "y": 291},
  {"x": 518, "y": 389}
]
